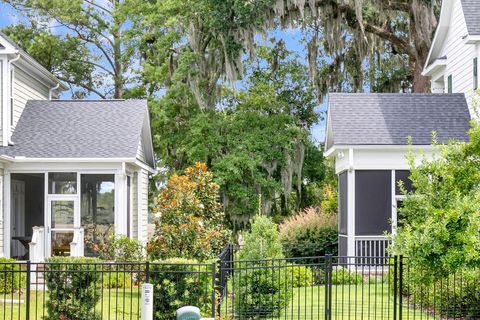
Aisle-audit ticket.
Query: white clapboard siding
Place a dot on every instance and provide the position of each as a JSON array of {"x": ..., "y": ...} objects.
[
  {"x": 459, "y": 55},
  {"x": 26, "y": 88},
  {"x": 1, "y": 100},
  {"x": 134, "y": 206},
  {"x": 2, "y": 226},
  {"x": 141, "y": 151},
  {"x": 143, "y": 205}
]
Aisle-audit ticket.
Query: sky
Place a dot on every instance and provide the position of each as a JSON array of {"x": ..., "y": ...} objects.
[{"x": 8, "y": 16}]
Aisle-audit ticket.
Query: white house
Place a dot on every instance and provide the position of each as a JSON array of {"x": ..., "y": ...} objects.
[
  {"x": 367, "y": 136},
  {"x": 70, "y": 171},
  {"x": 453, "y": 60}
]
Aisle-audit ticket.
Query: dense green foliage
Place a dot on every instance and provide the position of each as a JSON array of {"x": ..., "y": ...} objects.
[
  {"x": 440, "y": 219},
  {"x": 310, "y": 233},
  {"x": 342, "y": 276},
  {"x": 256, "y": 141},
  {"x": 10, "y": 277},
  {"x": 84, "y": 43},
  {"x": 299, "y": 276},
  {"x": 456, "y": 296},
  {"x": 180, "y": 282},
  {"x": 262, "y": 242},
  {"x": 121, "y": 248},
  {"x": 190, "y": 221},
  {"x": 263, "y": 289},
  {"x": 73, "y": 293}
]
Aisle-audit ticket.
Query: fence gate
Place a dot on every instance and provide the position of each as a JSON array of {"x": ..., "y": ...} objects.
[{"x": 339, "y": 288}]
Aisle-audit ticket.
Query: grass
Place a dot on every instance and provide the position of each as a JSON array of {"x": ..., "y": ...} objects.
[
  {"x": 115, "y": 305},
  {"x": 361, "y": 301}
]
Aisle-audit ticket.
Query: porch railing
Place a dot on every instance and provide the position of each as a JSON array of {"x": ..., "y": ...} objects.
[
  {"x": 37, "y": 245},
  {"x": 77, "y": 245},
  {"x": 368, "y": 249}
]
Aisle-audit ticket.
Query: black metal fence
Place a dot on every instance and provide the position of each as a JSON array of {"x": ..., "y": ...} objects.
[{"x": 289, "y": 288}]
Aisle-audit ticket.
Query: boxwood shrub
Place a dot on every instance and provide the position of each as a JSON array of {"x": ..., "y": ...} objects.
[
  {"x": 73, "y": 287},
  {"x": 11, "y": 279},
  {"x": 179, "y": 282}
]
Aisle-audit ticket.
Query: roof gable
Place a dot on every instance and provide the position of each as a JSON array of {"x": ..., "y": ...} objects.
[
  {"x": 82, "y": 129},
  {"x": 389, "y": 119}
]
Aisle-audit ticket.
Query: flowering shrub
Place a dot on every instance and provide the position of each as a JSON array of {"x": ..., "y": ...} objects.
[
  {"x": 310, "y": 233},
  {"x": 190, "y": 221}
]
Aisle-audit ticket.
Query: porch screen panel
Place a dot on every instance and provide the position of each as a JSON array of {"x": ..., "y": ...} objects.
[
  {"x": 373, "y": 202},
  {"x": 97, "y": 209},
  {"x": 404, "y": 176},
  {"x": 342, "y": 202}
]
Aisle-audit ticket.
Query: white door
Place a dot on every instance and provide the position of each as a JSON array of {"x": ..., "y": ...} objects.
[
  {"x": 17, "y": 217},
  {"x": 63, "y": 217}
]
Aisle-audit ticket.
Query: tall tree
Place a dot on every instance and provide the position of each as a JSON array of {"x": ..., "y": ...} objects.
[{"x": 99, "y": 26}]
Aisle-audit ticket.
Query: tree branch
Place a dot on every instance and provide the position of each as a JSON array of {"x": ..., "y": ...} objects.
[{"x": 84, "y": 86}]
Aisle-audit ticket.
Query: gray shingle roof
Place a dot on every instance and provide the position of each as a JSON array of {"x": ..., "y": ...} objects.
[
  {"x": 389, "y": 118},
  {"x": 471, "y": 11},
  {"x": 79, "y": 129}
]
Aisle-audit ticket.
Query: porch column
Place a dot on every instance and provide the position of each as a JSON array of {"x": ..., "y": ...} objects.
[
  {"x": 6, "y": 214},
  {"x": 121, "y": 203},
  {"x": 351, "y": 207}
]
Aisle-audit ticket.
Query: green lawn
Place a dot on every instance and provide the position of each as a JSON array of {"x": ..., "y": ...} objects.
[
  {"x": 113, "y": 306},
  {"x": 348, "y": 302}
]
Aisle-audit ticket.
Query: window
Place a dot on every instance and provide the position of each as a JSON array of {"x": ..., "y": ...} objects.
[
  {"x": 475, "y": 73},
  {"x": 97, "y": 209},
  {"x": 62, "y": 183},
  {"x": 450, "y": 84}
]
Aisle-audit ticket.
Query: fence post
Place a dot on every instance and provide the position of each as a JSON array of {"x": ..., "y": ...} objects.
[
  {"x": 147, "y": 272},
  {"x": 27, "y": 297},
  {"x": 328, "y": 286},
  {"x": 400, "y": 288},
  {"x": 395, "y": 287},
  {"x": 214, "y": 279}
]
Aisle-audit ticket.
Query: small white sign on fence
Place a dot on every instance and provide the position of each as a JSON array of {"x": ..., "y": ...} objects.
[{"x": 147, "y": 301}]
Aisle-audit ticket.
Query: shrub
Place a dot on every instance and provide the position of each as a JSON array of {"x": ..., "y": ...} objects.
[
  {"x": 300, "y": 276},
  {"x": 114, "y": 280},
  {"x": 178, "y": 282},
  {"x": 73, "y": 293},
  {"x": 261, "y": 292},
  {"x": 190, "y": 221},
  {"x": 309, "y": 234},
  {"x": 342, "y": 276},
  {"x": 10, "y": 277},
  {"x": 262, "y": 288},
  {"x": 121, "y": 248},
  {"x": 262, "y": 241},
  {"x": 329, "y": 204},
  {"x": 453, "y": 297}
]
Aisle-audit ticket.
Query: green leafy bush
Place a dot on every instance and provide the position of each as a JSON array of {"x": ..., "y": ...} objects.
[
  {"x": 261, "y": 289},
  {"x": 310, "y": 233},
  {"x": 342, "y": 276},
  {"x": 179, "y": 282},
  {"x": 10, "y": 277},
  {"x": 73, "y": 292},
  {"x": 121, "y": 248},
  {"x": 114, "y": 280},
  {"x": 299, "y": 276},
  {"x": 190, "y": 221},
  {"x": 453, "y": 297},
  {"x": 263, "y": 241}
]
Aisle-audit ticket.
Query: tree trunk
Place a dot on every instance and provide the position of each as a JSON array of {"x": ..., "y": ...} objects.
[{"x": 117, "y": 56}]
